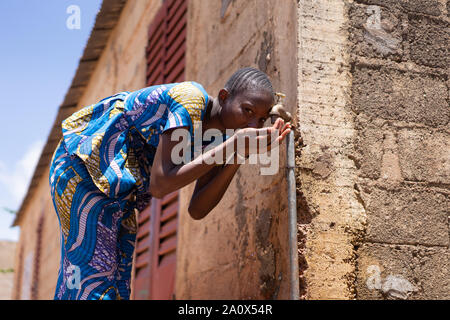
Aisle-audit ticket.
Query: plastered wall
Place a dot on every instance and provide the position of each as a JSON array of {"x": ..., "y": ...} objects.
[
  {"x": 7, "y": 250},
  {"x": 239, "y": 251},
  {"x": 32, "y": 283}
]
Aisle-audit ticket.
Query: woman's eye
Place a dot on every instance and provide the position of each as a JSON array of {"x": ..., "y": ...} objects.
[{"x": 250, "y": 111}]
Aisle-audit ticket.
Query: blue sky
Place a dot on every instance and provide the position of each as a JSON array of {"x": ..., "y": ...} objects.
[{"x": 38, "y": 60}]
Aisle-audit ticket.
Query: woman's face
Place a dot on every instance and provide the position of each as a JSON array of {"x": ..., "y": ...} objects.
[{"x": 246, "y": 109}]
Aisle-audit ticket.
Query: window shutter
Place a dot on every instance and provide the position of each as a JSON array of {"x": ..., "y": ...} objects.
[
  {"x": 156, "y": 49},
  {"x": 167, "y": 44},
  {"x": 155, "y": 254},
  {"x": 175, "y": 41},
  {"x": 142, "y": 261},
  {"x": 163, "y": 251}
]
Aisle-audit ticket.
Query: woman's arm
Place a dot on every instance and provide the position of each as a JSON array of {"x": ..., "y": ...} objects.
[
  {"x": 210, "y": 189},
  {"x": 167, "y": 177}
]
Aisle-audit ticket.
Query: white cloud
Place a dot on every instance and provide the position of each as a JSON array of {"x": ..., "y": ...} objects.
[{"x": 16, "y": 176}]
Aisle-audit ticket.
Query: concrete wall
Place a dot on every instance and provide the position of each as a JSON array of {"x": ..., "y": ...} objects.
[
  {"x": 239, "y": 251},
  {"x": 122, "y": 66},
  {"x": 330, "y": 214},
  {"x": 400, "y": 98},
  {"x": 373, "y": 176}
]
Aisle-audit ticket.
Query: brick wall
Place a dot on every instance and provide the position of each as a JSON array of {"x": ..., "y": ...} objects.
[
  {"x": 399, "y": 95},
  {"x": 373, "y": 173}
]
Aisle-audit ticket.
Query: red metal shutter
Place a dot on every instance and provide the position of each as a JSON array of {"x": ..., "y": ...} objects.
[
  {"x": 156, "y": 49},
  {"x": 167, "y": 43},
  {"x": 163, "y": 247},
  {"x": 176, "y": 20},
  {"x": 142, "y": 262},
  {"x": 156, "y": 249},
  {"x": 157, "y": 225}
]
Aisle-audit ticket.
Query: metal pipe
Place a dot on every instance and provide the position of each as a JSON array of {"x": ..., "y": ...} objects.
[
  {"x": 292, "y": 208},
  {"x": 279, "y": 111}
]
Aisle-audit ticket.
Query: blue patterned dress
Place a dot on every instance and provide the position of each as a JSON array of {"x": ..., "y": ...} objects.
[{"x": 99, "y": 175}]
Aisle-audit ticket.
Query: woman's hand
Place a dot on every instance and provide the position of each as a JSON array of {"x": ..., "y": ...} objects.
[
  {"x": 251, "y": 140},
  {"x": 283, "y": 129}
]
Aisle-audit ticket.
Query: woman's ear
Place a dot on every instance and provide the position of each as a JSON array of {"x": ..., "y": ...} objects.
[{"x": 223, "y": 95}]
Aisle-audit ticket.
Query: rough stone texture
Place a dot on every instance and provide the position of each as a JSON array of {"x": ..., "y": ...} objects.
[
  {"x": 330, "y": 215},
  {"x": 429, "y": 7},
  {"x": 240, "y": 248},
  {"x": 424, "y": 155},
  {"x": 428, "y": 40},
  {"x": 369, "y": 150},
  {"x": 394, "y": 95},
  {"x": 108, "y": 15},
  {"x": 370, "y": 98},
  {"x": 400, "y": 97},
  {"x": 376, "y": 32},
  {"x": 400, "y": 30},
  {"x": 403, "y": 272},
  {"x": 406, "y": 215}
]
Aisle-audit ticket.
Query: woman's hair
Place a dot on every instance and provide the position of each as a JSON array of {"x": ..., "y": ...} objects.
[{"x": 248, "y": 79}]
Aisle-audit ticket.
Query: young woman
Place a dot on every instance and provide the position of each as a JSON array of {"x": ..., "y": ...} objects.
[{"x": 116, "y": 154}]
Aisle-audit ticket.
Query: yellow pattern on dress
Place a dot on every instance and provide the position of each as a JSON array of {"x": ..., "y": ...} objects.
[
  {"x": 132, "y": 165},
  {"x": 119, "y": 107},
  {"x": 92, "y": 163},
  {"x": 64, "y": 201},
  {"x": 78, "y": 119},
  {"x": 130, "y": 223},
  {"x": 150, "y": 135},
  {"x": 111, "y": 288},
  {"x": 190, "y": 97}
]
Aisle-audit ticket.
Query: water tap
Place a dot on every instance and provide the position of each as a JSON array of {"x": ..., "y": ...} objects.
[{"x": 278, "y": 110}]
